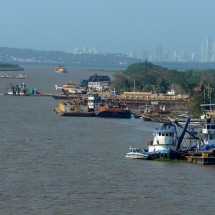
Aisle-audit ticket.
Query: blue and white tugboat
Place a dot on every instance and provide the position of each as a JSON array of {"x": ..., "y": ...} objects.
[{"x": 172, "y": 140}]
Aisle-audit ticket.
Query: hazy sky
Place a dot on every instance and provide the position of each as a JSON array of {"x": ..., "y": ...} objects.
[{"x": 110, "y": 25}]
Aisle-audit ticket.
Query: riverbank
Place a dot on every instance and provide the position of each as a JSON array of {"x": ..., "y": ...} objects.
[{"x": 10, "y": 67}]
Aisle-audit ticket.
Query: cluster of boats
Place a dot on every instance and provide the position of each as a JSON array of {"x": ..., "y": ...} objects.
[
  {"x": 176, "y": 141},
  {"x": 94, "y": 106},
  {"x": 21, "y": 90}
]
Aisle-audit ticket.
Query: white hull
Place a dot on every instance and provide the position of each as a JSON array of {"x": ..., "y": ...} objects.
[
  {"x": 136, "y": 156},
  {"x": 136, "y": 153}
]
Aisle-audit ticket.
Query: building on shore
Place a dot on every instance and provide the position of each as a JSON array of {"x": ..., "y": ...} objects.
[{"x": 172, "y": 103}]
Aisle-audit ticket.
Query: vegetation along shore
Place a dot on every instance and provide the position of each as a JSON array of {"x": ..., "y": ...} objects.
[{"x": 10, "y": 67}]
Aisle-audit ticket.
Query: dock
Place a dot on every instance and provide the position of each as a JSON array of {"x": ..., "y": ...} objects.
[{"x": 203, "y": 158}]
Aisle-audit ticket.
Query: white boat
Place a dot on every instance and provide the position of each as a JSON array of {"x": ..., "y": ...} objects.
[
  {"x": 207, "y": 133},
  {"x": 136, "y": 153},
  {"x": 172, "y": 140},
  {"x": 164, "y": 139},
  {"x": 71, "y": 88},
  {"x": 178, "y": 138}
]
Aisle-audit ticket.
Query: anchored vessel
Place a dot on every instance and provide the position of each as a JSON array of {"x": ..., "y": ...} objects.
[
  {"x": 177, "y": 139},
  {"x": 60, "y": 69},
  {"x": 71, "y": 88},
  {"x": 72, "y": 109},
  {"x": 113, "y": 109},
  {"x": 136, "y": 153},
  {"x": 174, "y": 141},
  {"x": 77, "y": 108}
]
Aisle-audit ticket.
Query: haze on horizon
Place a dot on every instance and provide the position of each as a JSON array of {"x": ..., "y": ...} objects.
[{"x": 112, "y": 26}]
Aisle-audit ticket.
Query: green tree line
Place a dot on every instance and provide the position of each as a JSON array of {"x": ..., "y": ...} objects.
[{"x": 148, "y": 77}]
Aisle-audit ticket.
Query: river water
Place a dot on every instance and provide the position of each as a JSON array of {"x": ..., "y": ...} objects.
[{"x": 53, "y": 165}]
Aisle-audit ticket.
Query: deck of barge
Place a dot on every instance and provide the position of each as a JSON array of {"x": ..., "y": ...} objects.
[{"x": 205, "y": 158}]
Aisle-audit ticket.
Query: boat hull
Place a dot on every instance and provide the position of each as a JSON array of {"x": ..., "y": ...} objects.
[
  {"x": 114, "y": 113},
  {"x": 75, "y": 114},
  {"x": 137, "y": 156}
]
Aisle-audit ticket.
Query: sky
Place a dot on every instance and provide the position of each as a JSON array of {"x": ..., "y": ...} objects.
[{"x": 112, "y": 26}]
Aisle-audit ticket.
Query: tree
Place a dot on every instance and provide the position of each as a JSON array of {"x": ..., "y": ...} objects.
[{"x": 162, "y": 87}]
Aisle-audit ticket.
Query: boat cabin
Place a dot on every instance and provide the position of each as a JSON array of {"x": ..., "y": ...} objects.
[{"x": 164, "y": 139}]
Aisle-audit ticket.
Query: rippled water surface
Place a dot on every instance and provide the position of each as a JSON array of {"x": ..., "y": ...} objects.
[{"x": 52, "y": 165}]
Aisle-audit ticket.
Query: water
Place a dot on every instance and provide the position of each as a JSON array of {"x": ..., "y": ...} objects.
[{"x": 52, "y": 165}]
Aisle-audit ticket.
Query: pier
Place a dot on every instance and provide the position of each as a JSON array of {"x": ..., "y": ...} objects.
[{"x": 203, "y": 158}]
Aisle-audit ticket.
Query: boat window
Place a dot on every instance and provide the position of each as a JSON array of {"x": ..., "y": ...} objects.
[
  {"x": 213, "y": 127},
  {"x": 167, "y": 134},
  {"x": 163, "y": 134}
]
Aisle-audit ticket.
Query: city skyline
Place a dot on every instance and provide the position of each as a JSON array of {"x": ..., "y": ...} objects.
[
  {"x": 130, "y": 27},
  {"x": 206, "y": 53}
]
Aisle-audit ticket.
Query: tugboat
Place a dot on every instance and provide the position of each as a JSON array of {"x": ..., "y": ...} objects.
[
  {"x": 172, "y": 140},
  {"x": 60, "y": 69}
]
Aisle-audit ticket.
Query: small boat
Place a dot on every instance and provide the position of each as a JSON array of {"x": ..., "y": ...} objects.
[
  {"x": 136, "y": 153},
  {"x": 60, "y": 69},
  {"x": 148, "y": 113},
  {"x": 146, "y": 118}
]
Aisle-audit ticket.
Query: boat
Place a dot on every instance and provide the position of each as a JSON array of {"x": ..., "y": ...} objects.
[
  {"x": 136, "y": 153},
  {"x": 60, "y": 69},
  {"x": 73, "y": 109},
  {"x": 207, "y": 133},
  {"x": 149, "y": 112},
  {"x": 140, "y": 112},
  {"x": 18, "y": 76},
  {"x": 113, "y": 111},
  {"x": 78, "y": 107},
  {"x": 21, "y": 90},
  {"x": 176, "y": 139},
  {"x": 71, "y": 88},
  {"x": 146, "y": 117}
]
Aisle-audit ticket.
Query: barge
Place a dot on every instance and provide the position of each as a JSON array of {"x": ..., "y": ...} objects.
[
  {"x": 177, "y": 141},
  {"x": 71, "y": 109}
]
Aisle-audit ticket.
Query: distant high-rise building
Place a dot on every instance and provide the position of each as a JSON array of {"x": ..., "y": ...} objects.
[
  {"x": 159, "y": 53},
  {"x": 195, "y": 57},
  {"x": 206, "y": 51},
  {"x": 213, "y": 53}
]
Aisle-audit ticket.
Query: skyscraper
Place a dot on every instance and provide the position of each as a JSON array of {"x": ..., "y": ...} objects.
[
  {"x": 159, "y": 53},
  {"x": 206, "y": 51}
]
